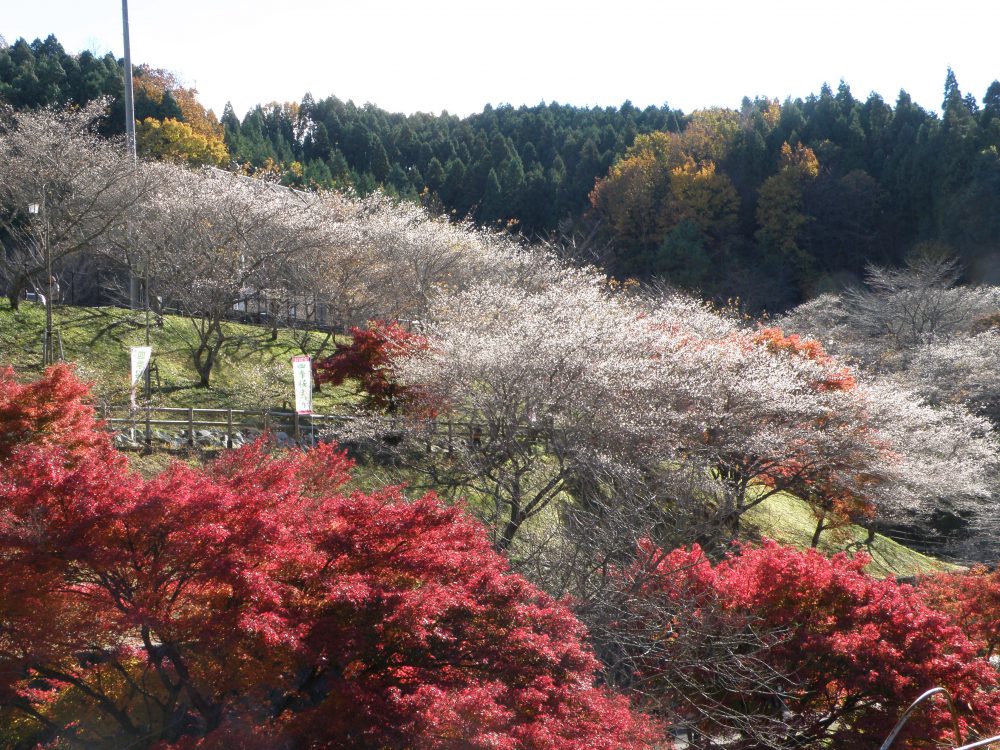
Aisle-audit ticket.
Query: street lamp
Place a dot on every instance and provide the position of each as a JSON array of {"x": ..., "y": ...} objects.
[{"x": 47, "y": 349}]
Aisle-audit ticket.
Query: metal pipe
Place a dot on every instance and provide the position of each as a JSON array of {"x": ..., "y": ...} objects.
[
  {"x": 133, "y": 291},
  {"x": 979, "y": 743},
  {"x": 913, "y": 706}
]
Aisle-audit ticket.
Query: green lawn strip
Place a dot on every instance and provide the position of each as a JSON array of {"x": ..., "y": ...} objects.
[{"x": 789, "y": 520}]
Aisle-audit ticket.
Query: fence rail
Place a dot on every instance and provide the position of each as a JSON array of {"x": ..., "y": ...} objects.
[
  {"x": 192, "y": 426},
  {"x": 198, "y": 425}
]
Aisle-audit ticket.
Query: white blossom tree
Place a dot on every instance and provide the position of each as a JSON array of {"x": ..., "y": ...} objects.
[
  {"x": 215, "y": 241},
  {"x": 85, "y": 185},
  {"x": 543, "y": 373}
]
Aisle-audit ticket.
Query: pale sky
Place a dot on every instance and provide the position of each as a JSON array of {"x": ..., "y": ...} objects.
[{"x": 407, "y": 56}]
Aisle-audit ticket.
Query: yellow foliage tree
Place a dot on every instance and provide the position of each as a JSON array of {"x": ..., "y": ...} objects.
[
  {"x": 173, "y": 140},
  {"x": 781, "y": 212},
  {"x": 701, "y": 195},
  {"x": 801, "y": 159},
  {"x": 155, "y": 81},
  {"x": 630, "y": 196},
  {"x": 666, "y": 178},
  {"x": 710, "y": 133}
]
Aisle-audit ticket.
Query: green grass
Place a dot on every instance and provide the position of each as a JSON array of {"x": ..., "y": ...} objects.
[
  {"x": 789, "y": 520},
  {"x": 252, "y": 373}
]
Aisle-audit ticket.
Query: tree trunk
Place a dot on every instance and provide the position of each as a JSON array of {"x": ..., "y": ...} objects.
[
  {"x": 205, "y": 372},
  {"x": 16, "y": 291},
  {"x": 870, "y": 528},
  {"x": 273, "y": 308},
  {"x": 507, "y": 535},
  {"x": 819, "y": 530},
  {"x": 207, "y": 351},
  {"x": 510, "y": 529}
]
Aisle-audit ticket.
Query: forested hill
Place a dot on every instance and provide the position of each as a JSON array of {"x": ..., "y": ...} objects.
[{"x": 771, "y": 201}]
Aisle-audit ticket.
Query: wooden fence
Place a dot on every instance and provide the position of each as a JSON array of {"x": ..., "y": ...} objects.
[{"x": 199, "y": 426}]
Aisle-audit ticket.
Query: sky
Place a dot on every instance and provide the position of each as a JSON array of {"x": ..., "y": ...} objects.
[{"x": 458, "y": 56}]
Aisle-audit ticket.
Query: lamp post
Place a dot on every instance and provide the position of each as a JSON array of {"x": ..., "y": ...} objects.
[{"x": 47, "y": 349}]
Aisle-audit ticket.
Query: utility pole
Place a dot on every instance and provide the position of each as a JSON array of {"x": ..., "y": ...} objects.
[
  {"x": 129, "y": 99},
  {"x": 133, "y": 282},
  {"x": 134, "y": 285}
]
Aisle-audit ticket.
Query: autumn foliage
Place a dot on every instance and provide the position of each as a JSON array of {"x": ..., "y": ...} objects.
[
  {"x": 777, "y": 342},
  {"x": 972, "y": 599},
  {"x": 848, "y": 652},
  {"x": 255, "y": 604},
  {"x": 47, "y": 413},
  {"x": 368, "y": 359}
]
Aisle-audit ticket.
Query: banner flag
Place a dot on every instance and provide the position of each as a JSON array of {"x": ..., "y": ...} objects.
[
  {"x": 140, "y": 361},
  {"x": 302, "y": 377}
]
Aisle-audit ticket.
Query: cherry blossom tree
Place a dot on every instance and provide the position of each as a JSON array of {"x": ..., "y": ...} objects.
[
  {"x": 547, "y": 374},
  {"x": 574, "y": 388},
  {"x": 929, "y": 352},
  {"x": 919, "y": 303},
  {"x": 216, "y": 241},
  {"x": 385, "y": 259}
]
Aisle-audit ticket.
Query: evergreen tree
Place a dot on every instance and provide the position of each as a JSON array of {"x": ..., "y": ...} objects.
[
  {"x": 492, "y": 207},
  {"x": 434, "y": 174}
]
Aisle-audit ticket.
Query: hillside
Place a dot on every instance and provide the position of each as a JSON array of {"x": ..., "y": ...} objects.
[
  {"x": 788, "y": 520},
  {"x": 255, "y": 374}
]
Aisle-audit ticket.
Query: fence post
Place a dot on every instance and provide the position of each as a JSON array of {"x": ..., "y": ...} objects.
[
  {"x": 296, "y": 430},
  {"x": 229, "y": 428},
  {"x": 149, "y": 428},
  {"x": 449, "y": 435},
  {"x": 191, "y": 426}
]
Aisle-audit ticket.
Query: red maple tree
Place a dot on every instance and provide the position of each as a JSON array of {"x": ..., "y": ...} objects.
[
  {"x": 255, "y": 604},
  {"x": 49, "y": 412},
  {"x": 972, "y": 598},
  {"x": 777, "y": 341},
  {"x": 851, "y": 651},
  {"x": 368, "y": 359}
]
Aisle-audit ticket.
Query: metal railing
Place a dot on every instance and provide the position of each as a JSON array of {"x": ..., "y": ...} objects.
[{"x": 954, "y": 722}]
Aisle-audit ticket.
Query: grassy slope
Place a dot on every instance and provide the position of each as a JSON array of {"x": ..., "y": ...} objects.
[
  {"x": 256, "y": 374},
  {"x": 253, "y": 374},
  {"x": 788, "y": 520}
]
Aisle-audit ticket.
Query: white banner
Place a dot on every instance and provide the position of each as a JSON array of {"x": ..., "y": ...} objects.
[
  {"x": 140, "y": 361},
  {"x": 302, "y": 377}
]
